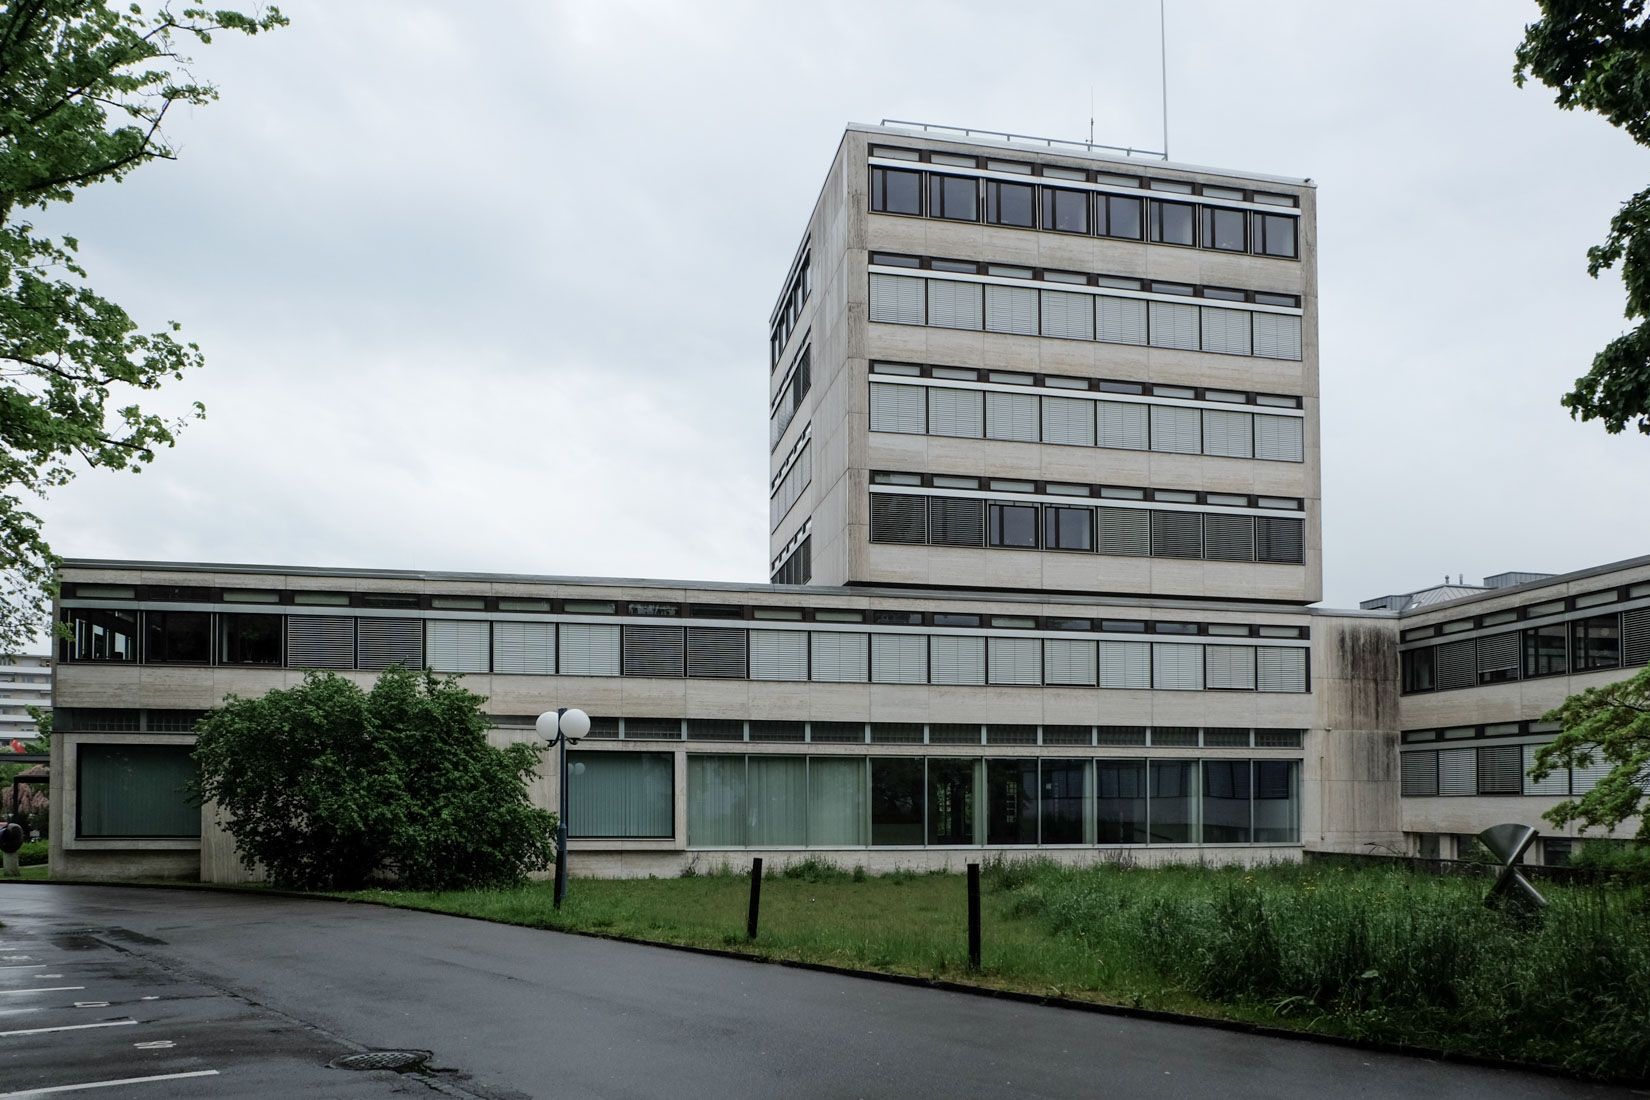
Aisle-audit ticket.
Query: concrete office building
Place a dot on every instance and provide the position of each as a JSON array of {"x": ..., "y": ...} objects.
[
  {"x": 1045, "y": 533},
  {"x": 25, "y": 681}
]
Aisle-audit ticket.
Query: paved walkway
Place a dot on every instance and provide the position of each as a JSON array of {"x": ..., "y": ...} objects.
[{"x": 183, "y": 994}]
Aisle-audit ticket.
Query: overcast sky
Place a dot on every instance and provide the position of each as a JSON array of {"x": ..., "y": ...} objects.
[{"x": 485, "y": 286}]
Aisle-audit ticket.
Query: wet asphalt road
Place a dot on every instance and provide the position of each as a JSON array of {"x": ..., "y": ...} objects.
[{"x": 195, "y": 994}]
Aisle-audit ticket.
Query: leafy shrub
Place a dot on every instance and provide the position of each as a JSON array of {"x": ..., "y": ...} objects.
[{"x": 327, "y": 785}]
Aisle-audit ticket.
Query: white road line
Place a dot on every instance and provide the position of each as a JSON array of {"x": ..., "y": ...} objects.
[
  {"x": 23, "y": 966},
  {"x": 158, "y": 1044},
  {"x": 91, "y": 1004},
  {"x": 68, "y": 1027},
  {"x": 42, "y": 989},
  {"x": 111, "y": 1083}
]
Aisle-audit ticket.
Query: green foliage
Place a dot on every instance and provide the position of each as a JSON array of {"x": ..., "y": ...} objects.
[
  {"x": 1595, "y": 54},
  {"x": 327, "y": 785},
  {"x": 84, "y": 90},
  {"x": 33, "y": 854},
  {"x": 1610, "y": 723}
]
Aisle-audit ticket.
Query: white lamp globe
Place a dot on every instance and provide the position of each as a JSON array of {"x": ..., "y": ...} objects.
[
  {"x": 575, "y": 724},
  {"x": 546, "y": 725}
]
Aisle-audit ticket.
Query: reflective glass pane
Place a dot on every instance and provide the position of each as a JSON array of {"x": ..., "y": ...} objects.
[
  {"x": 1121, "y": 802},
  {"x": 102, "y": 635},
  {"x": 136, "y": 791},
  {"x": 1544, "y": 651},
  {"x": 952, "y": 197},
  {"x": 1122, "y": 217},
  {"x": 1226, "y": 802},
  {"x": 1065, "y": 211},
  {"x": 1276, "y": 235},
  {"x": 1277, "y": 802},
  {"x": 177, "y": 637},
  {"x": 895, "y": 191},
  {"x": 951, "y": 800},
  {"x": 1068, "y": 528},
  {"x": 1223, "y": 229},
  {"x": 1173, "y": 222},
  {"x": 1014, "y": 525},
  {"x": 1065, "y": 790},
  {"x": 1011, "y": 801},
  {"x": 896, "y": 801},
  {"x": 1173, "y": 801},
  {"x": 249, "y": 639},
  {"x": 1010, "y": 203}
]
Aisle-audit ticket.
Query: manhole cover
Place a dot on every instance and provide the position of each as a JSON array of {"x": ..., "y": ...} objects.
[{"x": 398, "y": 1060}]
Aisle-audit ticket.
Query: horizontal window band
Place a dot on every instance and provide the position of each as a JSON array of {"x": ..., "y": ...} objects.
[
  {"x": 1093, "y": 291},
  {"x": 1086, "y": 395},
  {"x": 1000, "y": 497}
]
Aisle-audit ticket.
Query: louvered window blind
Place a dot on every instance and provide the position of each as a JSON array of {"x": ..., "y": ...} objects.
[
  {"x": 897, "y": 299},
  {"x": 1278, "y": 539},
  {"x": 1226, "y": 330},
  {"x": 1498, "y": 657},
  {"x": 1011, "y": 416},
  {"x": 1067, "y": 315},
  {"x": 1122, "y": 425},
  {"x": 956, "y": 412},
  {"x": 899, "y": 408},
  {"x": 1070, "y": 662},
  {"x": 1011, "y": 309},
  {"x": 1457, "y": 772},
  {"x": 1556, "y": 783},
  {"x": 1498, "y": 770},
  {"x": 654, "y": 651},
  {"x": 1177, "y": 534},
  {"x": 1125, "y": 664},
  {"x": 1228, "y": 538},
  {"x": 1015, "y": 661},
  {"x": 840, "y": 657},
  {"x": 524, "y": 648},
  {"x": 953, "y": 305},
  {"x": 320, "y": 641},
  {"x": 1457, "y": 665},
  {"x": 1277, "y": 336},
  {"x": 1279, "y": 438},
  {"x": 1068, "y": 420},
  {"x": 380, "y": 643},
  {"x": 716, "y": 653},
  {"x": 1120, "y": 320},
  {"x": 1635, "y": 636},
  {"x": 1176, "y": 430},
  {"x": 897, "y": 517},
  {"x": 1419, "y": 774},
  {"x": 1177, "y": 667},
  {"x": 954, "y": 521},
  {"x": 1125, "y": 531},
  {"x": 956, "y": 660},
  {"x": 1280, "y": 668},
  {"x": 1228, "y": 434},
  {"x": 1230, "y": 667},
  {"x": 899, "y": 658},
  {"x": 453, "y": 645},
  {"x": 1174, "y": 326},
  {"x": 779, "y": 655},
  {"x": 589, "y": 649}
]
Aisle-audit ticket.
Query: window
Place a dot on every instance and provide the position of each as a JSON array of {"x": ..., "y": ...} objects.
[
  {"x": 1173, "y": 222},
  {"x": 380, "y": 643},
  {"x": 177, "y": 637},
  {"x": 1277, "y": 804},
  {"x": 453, "y": 645},
  {"x": 1121, "y": 803},
  {"x": 1064, "y": 793},
  {"x": 1066, "y": 211},
  {"x": 621, "y": 794},
  {"x": 1013, "y": 525},
  {"x": 1597, "y": 642},
  {"x": 1225, "y": 229},
  {"x": 1417, "y": 669},
  {"x": 953, "y": 197},
  {"x": 896, "y": 191},
  {"x": 1226, "y": 798},
  {"x": 956, "y": 522},
  {"x": 524, "y": 648},
  {"x": 1011, "y": 801},
  {"x": 1119, "y": 217},
  {"x": 101, "y": 635},
  {"x": 1275, "y": 235},
  {"x": 1010, "y": 204},
  {"x": 896, "y": 801},
  {"x": 1173, "y": 805},
  {"x": 136, "y": 791},
  {"x": 1068, "y": 528},
  {"x": 320, "y": 641},
  {"x": 900, "y": 519},
  {"x": 951, "y": 800},
  {"x": 249, "y": 639}
]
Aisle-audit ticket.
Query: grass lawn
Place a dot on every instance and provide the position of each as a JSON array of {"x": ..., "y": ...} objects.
[{"x": 1375, "y": 953}]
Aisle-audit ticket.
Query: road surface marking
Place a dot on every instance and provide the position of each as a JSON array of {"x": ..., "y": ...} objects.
[
  {"x": 43, "y": 989},
  {"x": 158, "y": 1044},
  {"x": 111, "y": 1083},
  {"x": 68, "y": 1027},
  {"x": 91, "y": 1004}
]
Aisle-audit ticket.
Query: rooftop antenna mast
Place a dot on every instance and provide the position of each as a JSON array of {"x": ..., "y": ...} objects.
[
  {"x": 1163, "y": 71},
  {"x": 1091, "y": 114}
]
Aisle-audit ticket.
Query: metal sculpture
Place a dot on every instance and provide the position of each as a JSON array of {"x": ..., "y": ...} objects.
[{"x": 1508, "y": 843}]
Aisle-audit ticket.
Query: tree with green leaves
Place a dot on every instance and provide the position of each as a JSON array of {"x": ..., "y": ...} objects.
[
  {"x": 85, "y": 88},
  {"x": 1610, "y": 724},
  {"x": 1596, "y": 55},
  {"x": 326, "y": 785}
]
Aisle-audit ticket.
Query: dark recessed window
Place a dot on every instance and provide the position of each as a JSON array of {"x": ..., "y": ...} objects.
[
  {"x": 1010, "y": 204},
  {"x": 177, "y": 637},
  {"x": 1418, "y": 669},
  {"x": 716, "y": 611},
  {"x": 1070, "y": 624},
  {"x": 1119, "y": 217},
  {"x": 889, "y": 259},
  {"x": 1013, "y": 525},
  {"x": 897, "y": 618},
  {"x": 1173, "y": 222},
  {"x": 1175, "y": 628},
  {"x": 1067, "y": 211},
  {"x": 1068, "y": 528},
  {"x": 896, "y": 191},
  {"x": 1224, "y": 229},
  {"x": 249, "y": 639},
  {"x": 98, "y": 634},
  {"x": 1122, "y": 626},
  {"x": 1597, "y": 642},
  {"x": 945, "y": 619},
  {"x": 1275, "y": 235},
  {"x": 953, "y": 197},
  {"x": 1545, "y": 653},
  {"x": 385, "y": 600}
]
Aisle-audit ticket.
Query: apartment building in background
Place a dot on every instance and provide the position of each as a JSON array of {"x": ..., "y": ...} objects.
[
  {"x": 25, "y": 681},
  {"x": 1045, "y": 537}
]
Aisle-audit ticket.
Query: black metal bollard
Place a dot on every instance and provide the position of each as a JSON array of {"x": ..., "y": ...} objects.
[
  {"x": 756, "y": 897},
  {"x": 973, "y": 916}
]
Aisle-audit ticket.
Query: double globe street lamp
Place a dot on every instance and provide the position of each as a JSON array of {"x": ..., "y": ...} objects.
[{"x": 562, "y": 727}]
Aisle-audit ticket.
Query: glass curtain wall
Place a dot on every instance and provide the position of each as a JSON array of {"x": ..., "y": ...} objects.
[
  {"x": 621, "y": 794},
  {"x": 136, "y": 791}
]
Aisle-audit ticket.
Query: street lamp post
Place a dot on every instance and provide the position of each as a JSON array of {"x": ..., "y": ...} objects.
[{"x": 563, "y": 727}]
